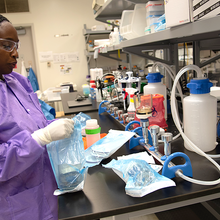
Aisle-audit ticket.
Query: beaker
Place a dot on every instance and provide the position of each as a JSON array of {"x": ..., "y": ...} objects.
[{"x": 143, "y": 105}]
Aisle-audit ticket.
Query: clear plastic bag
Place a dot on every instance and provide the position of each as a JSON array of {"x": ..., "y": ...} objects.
[
  {"x": 68, "y": 159},
  {"x": 106, "y": 146},
  {"x": 139, "y": 177}
]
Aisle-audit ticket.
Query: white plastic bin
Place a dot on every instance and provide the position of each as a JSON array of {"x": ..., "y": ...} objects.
[
  {"x": 133, "y": 22},
  {"x": 53, "y": 93}
]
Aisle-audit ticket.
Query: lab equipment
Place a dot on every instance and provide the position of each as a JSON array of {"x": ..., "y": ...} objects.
[
  {"x": 106, "y": 146},
  {"x": 86, "y": 90},
  {"x": 92, "y": 131},
  {"x": 155, "y": 86},
  {"x": 139, "y": 177},
  {"x": 143, "y": 104},
  {"x": 186, "y": 139},
  {"x": 167, "y": 138},
  {"x": 56, "y": 130},
  {"x": 154, "y": 130},
  {"x": 199, "y": 115},
  {"x": 67, "y": 160}
]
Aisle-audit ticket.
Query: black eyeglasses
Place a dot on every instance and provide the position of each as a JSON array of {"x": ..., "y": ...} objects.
[{"x": 9, "y": 45}]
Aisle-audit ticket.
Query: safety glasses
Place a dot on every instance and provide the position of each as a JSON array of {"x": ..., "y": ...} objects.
[{"x": 8, "y": 45}]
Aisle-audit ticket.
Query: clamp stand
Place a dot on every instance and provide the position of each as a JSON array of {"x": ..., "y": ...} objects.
[{"x": 185, "y": 168}]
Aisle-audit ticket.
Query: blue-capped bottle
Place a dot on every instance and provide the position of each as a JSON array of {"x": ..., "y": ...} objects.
[{"x": 200, "y": 115}]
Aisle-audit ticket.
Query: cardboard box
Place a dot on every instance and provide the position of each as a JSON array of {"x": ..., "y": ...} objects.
[
  {"x": 205, "y": 9},
  {"x": 177, "y": 12}
]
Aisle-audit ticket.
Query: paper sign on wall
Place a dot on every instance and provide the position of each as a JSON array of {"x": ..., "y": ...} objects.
[
  {"x": 65, "y": 57},
  {"x": 73, "y": 57},
  {"x": 66, "y": 69},
  {"x": 46, "y": 56}
]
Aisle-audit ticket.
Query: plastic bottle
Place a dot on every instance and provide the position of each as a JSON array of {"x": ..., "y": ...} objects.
[
  {"x": 111, "y": 38},
  {"x": 86, "y": 90},
  {"x": 115, "y": 36},
  {"x": 92, "y": 130},
  {"x": 200, "y": 115},
  {"x": 155, "y": 86},
  {"x": 131, "y": 108},
  {"x": 92, "y": 91}
]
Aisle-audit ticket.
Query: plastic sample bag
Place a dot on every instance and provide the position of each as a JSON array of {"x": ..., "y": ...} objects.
[
  {"x": 106, "y": 146},
  {"x": 67, "y": 158},
  {"x": 139, "y": 177},
  {"x": 142, "y": 156},
  {"x": 158, "y": 113}
]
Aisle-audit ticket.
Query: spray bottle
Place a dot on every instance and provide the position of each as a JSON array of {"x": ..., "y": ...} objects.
[{"x": 131, "y": 108}]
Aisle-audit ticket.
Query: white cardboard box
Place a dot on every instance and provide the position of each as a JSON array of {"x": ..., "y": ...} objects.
[
  {"x": 177, "y": 12},
  {"x": 205, "y": 9}
]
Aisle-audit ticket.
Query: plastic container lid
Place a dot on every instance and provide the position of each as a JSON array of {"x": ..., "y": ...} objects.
[
  {"x": 85, "y": 86},
  {"x": 91, "y": 123},
  {"x": 154, "y": 77},
  {"x": 199, "y": 86}
]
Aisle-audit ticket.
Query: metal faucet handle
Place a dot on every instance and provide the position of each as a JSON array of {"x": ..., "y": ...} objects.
[
  {"x": 155, "y": 129},
  {"x": 167, "y": 137},
  {"x": 119, "y": 113}
]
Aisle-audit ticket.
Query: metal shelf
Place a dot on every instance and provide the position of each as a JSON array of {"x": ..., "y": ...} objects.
[
  {"x": 112, "y": 9},
  {"x": 195, "y": 31},
  {"x": 90, "y": 32},
  {"x": 139, "y": 1}
]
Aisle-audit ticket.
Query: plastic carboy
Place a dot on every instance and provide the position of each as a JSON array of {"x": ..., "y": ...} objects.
[
  {"x": 200, "y": 115},
  {"x": 92, "y": 131},
  {"x": 155, "y": 86}
]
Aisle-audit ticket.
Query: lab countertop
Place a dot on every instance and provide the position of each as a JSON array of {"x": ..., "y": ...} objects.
[{"x": 104, "y": 191}]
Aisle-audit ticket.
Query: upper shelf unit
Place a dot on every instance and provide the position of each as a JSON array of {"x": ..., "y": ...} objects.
[
  {"x": 90, "y": 32},
  {"x": 195, "y": 31},
  {"x": 112, "y": 9}
]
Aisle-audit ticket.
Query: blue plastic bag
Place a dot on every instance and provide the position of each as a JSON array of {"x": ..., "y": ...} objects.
[
  {"x": 139, "y": 177},
  {"x": 68, "y": 159}
]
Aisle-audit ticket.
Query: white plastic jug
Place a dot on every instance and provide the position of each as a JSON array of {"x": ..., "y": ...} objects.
[
  {"x": 200, "y": 115},
  {"x": 155, "y": 86},
  {"x": 92, "y": 130}
]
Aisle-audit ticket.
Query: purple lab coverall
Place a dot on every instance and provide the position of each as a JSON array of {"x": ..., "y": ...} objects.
[{"x": 27, "y": 182}]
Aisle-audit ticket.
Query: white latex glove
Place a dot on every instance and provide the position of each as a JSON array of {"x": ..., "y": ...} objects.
[{"x": 56, "y": 130}]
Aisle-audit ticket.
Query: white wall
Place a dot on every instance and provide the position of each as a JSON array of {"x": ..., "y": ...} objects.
[{"x": 50, "y": 17}]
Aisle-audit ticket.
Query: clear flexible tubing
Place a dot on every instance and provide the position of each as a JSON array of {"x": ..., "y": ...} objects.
[
  {"x": 172, "y": 75},
  {"x": 186, "y": 139}
]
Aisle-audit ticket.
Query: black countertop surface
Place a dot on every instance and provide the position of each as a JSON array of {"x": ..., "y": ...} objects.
[{"x": 104, "y": 192}]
